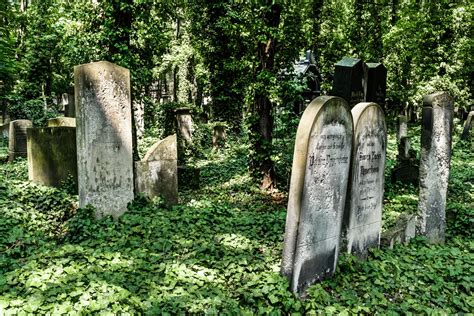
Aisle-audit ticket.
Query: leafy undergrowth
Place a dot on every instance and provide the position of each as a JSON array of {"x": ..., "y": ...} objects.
[{"x": 218, "y": 252}]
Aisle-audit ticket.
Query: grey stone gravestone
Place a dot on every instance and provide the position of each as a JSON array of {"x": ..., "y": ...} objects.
[
  {"x": 185, "y": 124},
  {"x": 52, "y": 155},
  {"x": 363, "y": 214},
  {"x": 62, "y": 121},
  {"x": 349, "y": 80},
  {"x": 138, "y": 115},
  {"x": 104, "y": 137},
  {"x": 17, "y": 138},
  {"x": 70, "y": 107},
  {"x": 157, "y": 172},
  {"x": 376, "y": 83},
  {"x": 402, "y": 128},
  {"x": 218, "y": 135},
  {"x": 317, "y": 194},
  {"x": 434, "y": 164},
  {"x": 467, "y": 126}
]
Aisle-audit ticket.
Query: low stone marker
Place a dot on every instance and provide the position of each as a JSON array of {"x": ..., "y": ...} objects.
[
  {"x": 434, "y": 164},
  {"x": 402, "y": 127},
  {"x": 363, "y": 218},
  {"x": 17, "y": 138},
  {"x": 104, "y": 137},
  {"x": 376, "y": 83},
  {"x": 157, "y": 172},
  {"x": 52, "y": 155},
  {"x": 62, "y": 121},
  {"x": 467, "y": 126},
  {"x": 349, "y": 80},
  {"x": 317, "y": 194},
  {"x": 185, "y": 123}
]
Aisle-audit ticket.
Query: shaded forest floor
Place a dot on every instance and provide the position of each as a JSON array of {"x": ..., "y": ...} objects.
[{"x": 218, "y": 251}]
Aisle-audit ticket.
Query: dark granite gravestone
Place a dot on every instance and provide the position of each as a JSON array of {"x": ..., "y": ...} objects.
[
  {"x": 349, "y": 80},
  {"x": 157, "y": 172},
  {"x": 104, "y": 137},
  {"x": 317, "y": 194},
  {"x": 363, "y": 214},
  {"x": 52, "y": 155},
  {"x": 434, "y": 164},
  {"x": 17, "y": 138},
  {"x": 376, "y": 83}
]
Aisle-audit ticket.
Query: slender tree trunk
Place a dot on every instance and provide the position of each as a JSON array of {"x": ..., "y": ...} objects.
[{"x": 262, "y": 126}]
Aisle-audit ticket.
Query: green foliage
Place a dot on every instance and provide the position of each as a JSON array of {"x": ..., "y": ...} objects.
[{"x": 33, "y": 110}]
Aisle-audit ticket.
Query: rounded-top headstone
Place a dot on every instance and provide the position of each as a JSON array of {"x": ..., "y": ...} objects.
[
  {"x": 317, "y": 192},
  {"x": 363, "y": 218}
]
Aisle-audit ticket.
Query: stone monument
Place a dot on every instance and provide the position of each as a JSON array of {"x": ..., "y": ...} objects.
[
  {"x": 70, "y": 108},
  {"x": 52, "y": 155},
  {"x": 104, "y": 137},
  {"x": 317, "y": 194},
  {"x": 157, "y": 172},
  {"x": 185, "y": 124},
  {"x": 17, "y": 138},
  {"x": 467, "y": 126},
  {"x": 363, "y": 214},
  {"x": 350, "y": 80},
  {"x": 62, "y": 121},
  {"x": 402, "y": 127},
  {"x": 218, "y": 135},
  {"x": 434, "y": 165},
  {"x": 376, "y": 83}
]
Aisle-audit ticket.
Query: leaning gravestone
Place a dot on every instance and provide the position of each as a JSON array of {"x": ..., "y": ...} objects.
[
  {"x": 104, "y": 137},
  {"x": 349, "y": 80},
  {"x": 467, "y": 126},
  {"x": 363, "y": 218},
  {"x": 434, "y": 164},
  {"x": 62, "y": 121},
  {"x": 317, "y": 194},
  {"x": 17, "y": 138},
  {"x": 376, "y": 83},
  {"x": 52, "y": 158},
  {"x": 157, "y": 172}
]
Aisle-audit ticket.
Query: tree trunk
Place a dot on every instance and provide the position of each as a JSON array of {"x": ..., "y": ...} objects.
[{"x": 262, "y": 125}]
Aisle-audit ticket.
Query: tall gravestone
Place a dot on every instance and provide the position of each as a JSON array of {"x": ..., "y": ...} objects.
[
  {"x": 52, "y": 158},
  {"x": 350, "y": 80},
  {"x": 467, "y": 126},
  {"x": 363, "y": 218},
  {"x": 104, "y": 137},
  {"x": 70, "y": 107},
  {"x": 157, "y": 172},
  {"x": 376, "y": 83},
  {"x": 434, "y": 164},
  {"x": 185, "y": 124},
  {"x": 402, "y": 127},
  {"x": 317, "y": 194},
  {"x": 17, "y": 138}
]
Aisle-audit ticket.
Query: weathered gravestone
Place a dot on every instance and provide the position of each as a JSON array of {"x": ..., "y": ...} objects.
[
  {"x": 363, "y": 214},
  {"x": 52, "y": 158},
  {"x": 17, "y": 138},
  {"x": 402, "y": 127},
  {"x": 434, "y": 164},
  {"x": 104, "y": 137},
  {"x": 317, "y": 194},
  {"x": 349, "y": 80},
  {"x": 70, "y": 107},
  {"x": 376, "y": 83},
  {"x": 157, "y": 172},
  {"x": 218, "y": 136},
  {"x": 62, "y": 121},
  {"x": 185, "y": 124},
  {"x": 139, "y": 117},
  {"x": 467, "y": 126}
]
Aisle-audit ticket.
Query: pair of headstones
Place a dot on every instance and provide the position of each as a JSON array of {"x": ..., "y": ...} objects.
[
  {"x": 336, "y": 153},
  {"x": 104, "y": 141},
  {"x": 356, "y": 81}
]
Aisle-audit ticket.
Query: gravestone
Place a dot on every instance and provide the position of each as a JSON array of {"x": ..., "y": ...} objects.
[
  {"x": 17, "y": 138},
  {"x": 139, "y": 119},
  {"x": 402, "y": 127},
  {"x": 62, "y": 121},
  {"x": 218, "y": 136},
  {"x": 70, "y": 108},
  {"x": 52, "y": 158},
  {"x": 376, "y": 83},
  {"x": 406, "y": 169},
  {"x": 104, "y": 137},
  {"x": 185, "y": 124},
  {"x": 363, "y": 213},
  {"x": 317, "y": 194},
  {"x": 467, "y": 126},
  {"x": 434, "y": 164},
  {"x": 349, "y": 80},
  {"x": 157, "y": 172}
]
